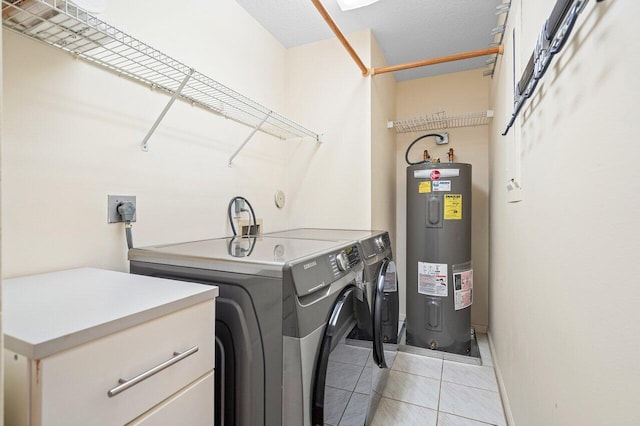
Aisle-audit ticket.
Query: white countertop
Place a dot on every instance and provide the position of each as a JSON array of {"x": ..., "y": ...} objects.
[{"x": 49, "y": 313}]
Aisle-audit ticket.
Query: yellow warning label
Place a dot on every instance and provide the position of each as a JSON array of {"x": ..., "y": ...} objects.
[
  {"x": 424, "y": 187},
  {"x": 453, "y": 207}
]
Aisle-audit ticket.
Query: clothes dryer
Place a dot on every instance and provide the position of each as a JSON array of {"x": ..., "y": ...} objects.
[
  {"x": 284, "y": 309},
  {"x": 378, "y": 323},
  {"x": 379, "y": 265}
]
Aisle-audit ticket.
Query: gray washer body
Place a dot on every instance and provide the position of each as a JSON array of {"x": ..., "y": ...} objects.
[
  {"x": 275, "y": 298},
  {"x": 432, "y": 321}
]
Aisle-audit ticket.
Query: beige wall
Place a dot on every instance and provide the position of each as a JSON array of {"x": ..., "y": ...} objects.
[
  {"x": 564, "y": 276},
  {"x": 383, "y": 166},
  {"x": 1, "y": 333},
  {"x": 331, "y": 182},
  {"x": 454, "y": 93}
]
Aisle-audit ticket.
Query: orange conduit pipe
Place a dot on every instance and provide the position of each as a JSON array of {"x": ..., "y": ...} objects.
[
  {"x": 341, "y": 37},
  {"x": 374, "y": 71},
  {"x": 440, "y": 60}
]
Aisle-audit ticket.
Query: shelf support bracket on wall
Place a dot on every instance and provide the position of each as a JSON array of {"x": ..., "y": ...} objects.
[
  {"x": 145, "y": 146},
  {"x": 255, "y": 129}
]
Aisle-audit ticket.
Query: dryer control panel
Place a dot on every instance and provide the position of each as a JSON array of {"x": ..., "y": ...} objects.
[
  {"x": 380, "y": 244},
  {"x": 315, "y": 274}
]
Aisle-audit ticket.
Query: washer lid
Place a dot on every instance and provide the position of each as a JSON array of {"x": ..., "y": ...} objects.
[
  {"x": 263, "y": 255},
  {"x": 327, "y": 234},
  {"x": 374, "y": 243}
]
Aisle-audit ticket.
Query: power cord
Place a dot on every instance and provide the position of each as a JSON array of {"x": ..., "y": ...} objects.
[
  {"x": 127, "y": 210},
  {"x": 239, "y": 202},
  {"x": 406, "y": 154}
]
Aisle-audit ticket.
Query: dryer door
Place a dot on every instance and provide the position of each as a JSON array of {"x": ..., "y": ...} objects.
[
  {"x": 340, "y": 386},
  {"x": 387, "y": 278}
]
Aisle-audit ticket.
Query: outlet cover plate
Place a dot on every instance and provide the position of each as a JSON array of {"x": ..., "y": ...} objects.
[
  {"x": 445, "y": 139},
  {"x": 112, "y": 207}
]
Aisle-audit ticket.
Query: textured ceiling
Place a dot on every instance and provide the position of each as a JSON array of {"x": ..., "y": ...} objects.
[{"x": 406, "y": 30}]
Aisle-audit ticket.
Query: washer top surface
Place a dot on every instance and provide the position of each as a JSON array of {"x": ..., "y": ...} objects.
[
  {"x": 327, "y": 234},
  {"x": 247, "y": 255}
]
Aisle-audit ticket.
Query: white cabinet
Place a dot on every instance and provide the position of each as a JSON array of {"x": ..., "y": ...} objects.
[
  {"x": 151, "y": 373},
  {"x": 184, "y": 408}
]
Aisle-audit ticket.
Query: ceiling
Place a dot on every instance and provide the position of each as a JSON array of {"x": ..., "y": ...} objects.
[{"x": 406, "y": 30}]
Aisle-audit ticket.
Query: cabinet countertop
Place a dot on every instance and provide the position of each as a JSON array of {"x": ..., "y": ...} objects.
[{"x": 49, "y": 313}]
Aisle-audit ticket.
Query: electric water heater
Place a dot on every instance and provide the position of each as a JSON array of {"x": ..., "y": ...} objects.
[{"x": 439, "y": 272}]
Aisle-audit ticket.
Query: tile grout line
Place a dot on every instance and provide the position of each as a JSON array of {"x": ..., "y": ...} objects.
[
  {"x": 439, "y": 393},
  {"x": 410, "y": 403},
  {"x": 469, "y": 386},
  {"x": 355, "y": 387},
  {"x": 468, "y": 418}
]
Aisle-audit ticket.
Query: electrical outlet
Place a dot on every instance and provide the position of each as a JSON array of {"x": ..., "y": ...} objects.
[
  {"x": 244, "y": 225},
  {"x": 445, "y": 139},
  {"x": 112, "y": 207}
]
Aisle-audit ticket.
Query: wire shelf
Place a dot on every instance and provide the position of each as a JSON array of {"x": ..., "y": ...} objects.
[
  {"x": 440, "y": 121},
  {"x": 62, "y": 24}
]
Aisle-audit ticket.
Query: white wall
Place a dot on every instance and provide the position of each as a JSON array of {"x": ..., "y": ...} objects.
[
  {"x": 564, "y": 261},
  {"x": 383, "y": 166},
  {"x": 457, "y": 93},
  {"x": 348, "y": 181},
  {"x": 332, "y": 180},
  {"x": 1, "y": 333}
]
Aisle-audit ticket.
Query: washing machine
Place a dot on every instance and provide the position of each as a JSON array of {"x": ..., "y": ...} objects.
[
  {"x": 282, "y": 316},
  {"x": 377, "y": 323}
]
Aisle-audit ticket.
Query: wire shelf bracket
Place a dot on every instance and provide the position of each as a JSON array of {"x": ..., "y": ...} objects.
[
  {"x": 145, "y": 146},
  {"x": 249, "y": 138},
  {"x": 440, "y": 121},
  {"x": 62, "y": 24}
]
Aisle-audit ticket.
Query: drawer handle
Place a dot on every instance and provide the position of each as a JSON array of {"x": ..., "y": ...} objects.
[{"x": 126, "y": 384}]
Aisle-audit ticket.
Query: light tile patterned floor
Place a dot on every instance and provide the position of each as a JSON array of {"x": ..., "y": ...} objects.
[{"x": 431, "y": 392}]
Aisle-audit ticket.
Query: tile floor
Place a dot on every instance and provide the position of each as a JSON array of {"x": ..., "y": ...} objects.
[
  {"x": 420, "y": 390},
  {"x": 427, "y": 391}
]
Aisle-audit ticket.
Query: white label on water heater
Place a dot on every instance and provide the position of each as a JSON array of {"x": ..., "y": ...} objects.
[
  {"x": 432, "y": 279},
  {"x": 463, "y": 289},
  {"x": 441, "y": 186},
  {"x": 444, "y": 173}
]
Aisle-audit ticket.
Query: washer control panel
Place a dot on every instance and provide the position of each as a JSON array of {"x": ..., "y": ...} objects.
[{"x": 344, "y": 260}]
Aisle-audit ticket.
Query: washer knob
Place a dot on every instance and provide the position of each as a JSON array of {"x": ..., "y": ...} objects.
[
  {"x": 379, "y": 243},
  {"x": 343, "y": 261}
]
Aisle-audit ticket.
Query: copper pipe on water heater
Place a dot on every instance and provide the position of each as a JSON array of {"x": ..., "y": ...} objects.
[{"x": 341, "y": 37}]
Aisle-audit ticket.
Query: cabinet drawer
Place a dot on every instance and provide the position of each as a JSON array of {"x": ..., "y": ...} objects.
[
  {"x": 76, "y": 381},
  {"x": 192, "y": 406}
]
